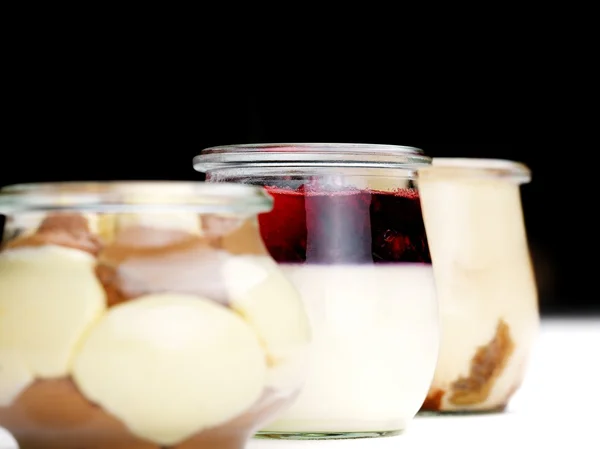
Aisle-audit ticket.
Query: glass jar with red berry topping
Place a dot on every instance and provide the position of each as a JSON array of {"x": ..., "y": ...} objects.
[
  {"x": 143, "y": 315},
  {"x": 485, "y": 281},
  {"x": 347, "y": 230}
]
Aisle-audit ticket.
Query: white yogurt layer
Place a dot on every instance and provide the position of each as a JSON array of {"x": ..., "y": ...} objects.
[{"x": 374, "y": 350}]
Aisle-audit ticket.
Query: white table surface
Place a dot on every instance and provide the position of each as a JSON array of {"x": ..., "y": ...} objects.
[{"x": 558, "y": 404}]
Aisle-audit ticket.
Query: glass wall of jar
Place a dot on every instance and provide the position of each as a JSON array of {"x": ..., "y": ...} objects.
[
  {"x": 485, "y": 281},
  {"x": 143, "y": 315},
  {"x": 347, "y": 230}
]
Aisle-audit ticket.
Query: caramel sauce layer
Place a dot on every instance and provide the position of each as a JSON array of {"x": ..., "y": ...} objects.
[{"x": 486, "y": 366}]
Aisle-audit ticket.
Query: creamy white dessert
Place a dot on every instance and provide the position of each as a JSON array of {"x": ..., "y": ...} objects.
[
  {"x": 485, "y": 282},
  {"x": 165, "y": 366},
  {"x": 196, "y": 357},
  {"x": 267, "y": 300},
  {"x": 49, "y": 297},
  {"x": 374, "y": 347}
]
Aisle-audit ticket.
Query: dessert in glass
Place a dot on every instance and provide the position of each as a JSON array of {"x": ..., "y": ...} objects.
[
  {"x": 347, "y": 230},
  {"x": 485, "y": 281},
  {"x": 143, "y": 315}
]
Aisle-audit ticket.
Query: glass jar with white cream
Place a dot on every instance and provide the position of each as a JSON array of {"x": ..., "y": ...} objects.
[
  {"x": 485, "y": 281},
  {"x": 347, "y": 230}
]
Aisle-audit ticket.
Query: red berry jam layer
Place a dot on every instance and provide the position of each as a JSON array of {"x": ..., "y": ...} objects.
[{"x": 347, "y": 227}]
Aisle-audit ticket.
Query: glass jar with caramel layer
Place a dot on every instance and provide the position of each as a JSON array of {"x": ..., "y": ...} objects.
[
  {"x": 143, "y": 315},
  {"x": 484, "y": 278}
]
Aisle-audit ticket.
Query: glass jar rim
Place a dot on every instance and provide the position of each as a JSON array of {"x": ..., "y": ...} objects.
[
  {"x": 478, "y": 168},
  {"x": 135, "y": 196},
  {"x": 310, "y": 154}
]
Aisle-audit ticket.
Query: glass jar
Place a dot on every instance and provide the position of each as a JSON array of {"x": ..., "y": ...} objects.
[
  {"x": 347, "y": 230},
  {"x": 485, "y": 281},
  {"x": 143, "y": 315}
]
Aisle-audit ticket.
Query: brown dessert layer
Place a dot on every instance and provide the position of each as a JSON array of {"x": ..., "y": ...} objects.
[
  {"x": 144, "y": 261},
  {"x": 70, "y": 230},
  {"x": 433, "y": 401},
  {"x": 243, "y": 239},
  {"x": 486, "y": 366},
  {"x": 52, "y": 414}
]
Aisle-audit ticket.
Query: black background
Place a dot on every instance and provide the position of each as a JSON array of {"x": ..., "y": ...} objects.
[{"x": 130, "y": 143}]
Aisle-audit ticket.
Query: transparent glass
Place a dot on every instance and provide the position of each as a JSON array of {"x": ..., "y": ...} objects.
[
  {"x": 347, "y": 230},
  {"x": 143, "y": 315},
  {"x": 485, "y": 281}
]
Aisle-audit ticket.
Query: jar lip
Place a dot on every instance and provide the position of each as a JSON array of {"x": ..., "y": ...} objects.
[
  {"x": 479, "y": 167},
  {"x": 310, "y": 154},
  {"x": 135, "y": 196}
]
